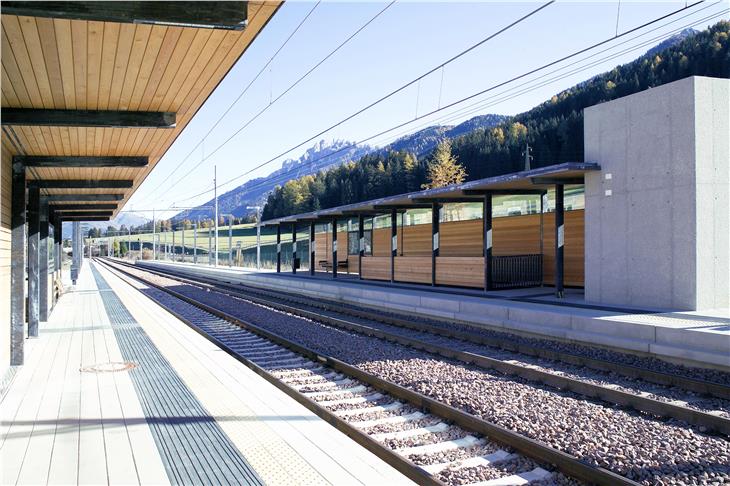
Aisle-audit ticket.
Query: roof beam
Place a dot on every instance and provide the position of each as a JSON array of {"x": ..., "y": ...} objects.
[
  {"x": 78, "y": 214},
  {"x": 84, "y": 197},
  {"x": 80, "y": 161},
  {"x": 80, "y": 207},
  {"x": 81, "y": 183},
  {"x": 88, "y": 118},
  {"x": 205, "y": 15},
  {"x": 400, "y": 207},
  {"x": 446, "y": 200},
  {"x": 84, "y": 218},
  {"x": 504, "y": 192},
  {"x": 557, "y": 180}
]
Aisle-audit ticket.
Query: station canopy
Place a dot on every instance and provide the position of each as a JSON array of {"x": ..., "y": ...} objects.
[
  {"x": 532, "y": 181},
  {"x": 94, "y": 93}
]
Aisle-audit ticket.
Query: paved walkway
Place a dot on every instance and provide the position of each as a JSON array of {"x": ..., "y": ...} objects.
[{"x": 61, "y": 425}]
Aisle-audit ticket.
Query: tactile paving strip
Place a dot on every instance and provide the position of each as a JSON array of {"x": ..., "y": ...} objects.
[{"x": 192, "y": 445}]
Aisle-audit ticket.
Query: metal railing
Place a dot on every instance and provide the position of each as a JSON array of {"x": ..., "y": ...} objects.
[{"x": 515, "y": 271}]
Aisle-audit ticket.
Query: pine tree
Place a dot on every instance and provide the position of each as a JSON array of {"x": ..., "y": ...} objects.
[{"x": 444, "y": 170}]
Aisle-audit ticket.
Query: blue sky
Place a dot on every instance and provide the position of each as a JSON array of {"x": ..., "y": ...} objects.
[{"x": 408, "y": 39}]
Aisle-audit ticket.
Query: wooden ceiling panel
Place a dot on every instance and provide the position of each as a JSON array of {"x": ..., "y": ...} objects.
[{"x": 78, "y": 64}]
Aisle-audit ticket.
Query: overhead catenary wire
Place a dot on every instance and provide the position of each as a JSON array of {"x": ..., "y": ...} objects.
[
  {"x": 462, "y": 100},
  {"x": 384, "y": 97},
  {"x": 451, "y": 115},
  {"x": 283, "y": 93},
  {"x": 245, "y": 90}
]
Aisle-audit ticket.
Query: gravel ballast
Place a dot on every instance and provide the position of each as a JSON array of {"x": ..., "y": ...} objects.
[{"x": 641, "y": 448}]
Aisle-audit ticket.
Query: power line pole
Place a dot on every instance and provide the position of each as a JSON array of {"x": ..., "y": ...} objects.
[
  {"x": 215, "y": 195},
  {"x": 528, "y": 156}
]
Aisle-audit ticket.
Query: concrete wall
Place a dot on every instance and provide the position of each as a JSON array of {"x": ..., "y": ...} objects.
[{"x": 657, "y": 214}]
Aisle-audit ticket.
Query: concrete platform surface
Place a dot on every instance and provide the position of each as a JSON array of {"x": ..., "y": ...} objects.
[
  {"x": 61, "y": 425},
  {"x": 691, "y": 338}
]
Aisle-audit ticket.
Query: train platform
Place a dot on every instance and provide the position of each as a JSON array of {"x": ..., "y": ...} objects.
[
  {"x": 689, "y": 338},
  {"x": 116, "y": 390}
]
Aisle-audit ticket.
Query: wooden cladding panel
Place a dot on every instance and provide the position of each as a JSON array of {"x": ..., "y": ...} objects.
[
  {"x": 381, "y": 242},
  {"x": 461, "y": 238},
  {"x": 413, "y": 269},
  {"x": 376, "y": 268},
  {"x": 516, "y": 235},
  {"x": 353, "y": 265},
  {"x": 460, "y": 271},
  {"x": 323, "y": 246},
  {"x": 416, "y": 241},
  {"x": 574, "y": 261}
]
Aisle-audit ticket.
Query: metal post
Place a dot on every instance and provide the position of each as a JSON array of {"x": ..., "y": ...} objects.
[
  {"x": 173, "y": 243},
  {"x": 334, "y": 248},
  {"x": 215, "y": 195},
  {"x": 210, "y": 247},
  {"x": 17, "y": 264},
  {"x": 230, "y": 240},
  {"x": 195, "y": 241},
  {"x": 435, "y": 239},
  {"x": 75, "y": 250},
  {"x": 311, "y": 247},
  {"x": 154, "y": 236},
  {"x": 57, "y": 242},
  {"x": 129, "y": 242},
  {"x": 258, "y": 238},
  {"x": 34, "y": 195},
  {"x": 182, "y": 252},
  {"x": 361, "y": 243},
  {"x": 393, "y": 242},
  {"x": 278, "y": 248},
  {"x": 559, "y": 239},
  {"x": 487, "y": 223},
  {"x": 294, "y": 248},
  {"x": 43, "y": 304}
]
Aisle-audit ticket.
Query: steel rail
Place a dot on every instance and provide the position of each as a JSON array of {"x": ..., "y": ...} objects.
[
  {"x": 613, "y": 396},
  {"x": 535, "y": 449},
  {"x": 395, "y": 318}
]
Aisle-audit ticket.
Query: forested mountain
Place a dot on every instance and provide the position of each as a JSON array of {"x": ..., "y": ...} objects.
[
  {"x": 253, "y": 192},
  {"x": 554, "y": 130},
  {"x": 323, "y": 156}
]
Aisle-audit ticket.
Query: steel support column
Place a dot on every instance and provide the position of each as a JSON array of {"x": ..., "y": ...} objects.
[
  {"x": 34, "y": 196},
  {"x": 559, "y": 239},
  {"x": 17, "y": 264},
  {"x": 361, "y": 243},
  {"x": 278, "y": 248},
  {"x": 195, "y": 242},
  {"x": 230, "y": 241},
  {"x": 182, "y": 237},
  {"x": 434, "y": 239},
  {"x": 311, "y": 247},
  {"x": 334, "y": 248},
  {"x": 487, "y": 239},
  {"x": 294, "y": 248},
  {"x": 393, "y": 242},
  {"x": 43, "y": 304},
  {"x": 173, "y": 244}
]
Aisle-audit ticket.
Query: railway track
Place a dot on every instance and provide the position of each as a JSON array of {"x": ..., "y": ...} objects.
[
  {"x": 428, "y": 441},
  {"x": 670, "y": 404}
]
